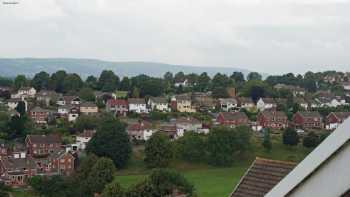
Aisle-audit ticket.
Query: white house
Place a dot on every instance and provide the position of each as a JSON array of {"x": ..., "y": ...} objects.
[
  {"x": 228, "y": 104},
  {"x": 266, "y": 103},
  {"x": 25, "y": 92},
  {"x": 73, "y": 114},
  {"x": 183, "y": 83},
  {"x": 159, "y": 104},
  {"x": 63, "y": 109},
  {"x": 68, "y": 100},
  {"x": 324, "y": 172},
  {"x": 137, "y": 105},
  {"x": 83, "y": 138},
  {"x": 13, "y": 102},
  {"x": 246, "y": 102},
  {"x": 140, "y": 131},
  {"x": 346, "y": 85},
  {"x": 185, "y": 124}
]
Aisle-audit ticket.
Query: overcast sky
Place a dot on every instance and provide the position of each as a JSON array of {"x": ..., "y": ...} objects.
[{"x": 271, "y": 36}]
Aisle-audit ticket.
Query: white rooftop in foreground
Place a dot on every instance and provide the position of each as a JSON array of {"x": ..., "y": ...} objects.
[{"x": 324, "y": 172}]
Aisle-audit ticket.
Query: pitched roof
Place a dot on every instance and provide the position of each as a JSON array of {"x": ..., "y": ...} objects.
[
  {"x": 233, "y": 115},
  {"x": 261, "y": 177},
  {"x": 310, "y": 114},
  {"x": 18, "y": 164},
  {"x": 88, "y": 104},
  {"x": 342, "y": 115},
  {"x": 114, "y": 102},
  {"x": 136, "y": 101},
  {"x": 159, "y": 99},
  {"x": 187, "y": 120},
  {"x": 320, "y": 155},
  {"x": 271, "y": 114},
  {"x": 44, "y": 139},
  {"x": 245, "y": 100},
  {"x": 228, "y": 100},
  {"x": 139, "y": 126}
]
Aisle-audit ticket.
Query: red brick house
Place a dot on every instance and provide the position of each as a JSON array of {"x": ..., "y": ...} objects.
[
  {"x": 40, "y": 115},
  {"x": 308, "y": 120},
  {"x": 41, "y": 145},
  {"x": 118, "y": 106},
  {"x": 334, "y": 119},
  {"x": 232, "y": 118},
  {"x": 63, "y": 163},
  {"x": 15, "y": 171},
  {"x": 272, "y": 119}
]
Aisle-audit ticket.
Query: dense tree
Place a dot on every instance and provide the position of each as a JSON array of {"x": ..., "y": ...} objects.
[
  {"x": 191, "y": 147},
  {"x": 54, "y": 186},
  {"x": 203, "y": 82},
  {"x": 20, "y": 81},
  {"x": 19, "y": 126},
  {"x": 57, "y": 80},
  {"x": 168, "y": 76},
  {"x": 180, "y": 76},
  {"x": 125, "y": 84},
  {"x": 311, "y": 140},
  {"x": 220, "y": 92},
  {"x": 101, "y": 174},
  {"x": 135, "y": 93},
  {"x": 113, "y": 190},
  {"x": 72, "y": 83},
  {"x": 86, "y": 122},
  {"x": 158, "y": 151},
  {"x": 163, "y": 182},
  {"x": 254, "y": 76},
  {"x": 87, "y": 94},
  {"x": 6, "y": 82},
  {"x": 238, "y": 77},
  {"x": 21, "y": 108},
  {"x": 108, "y": 81},
  {"x": 223, "y": 143},
  {"x": 267, "y": 140},
  {"x": 4, "y": 190},
  {"x": 221, "y": 80},
  {"x": 112, "y": 141},
  {"x": 41, "y": 81},
  {"x": 290, "y": 137},
  {"x": 91, "y": 82}
]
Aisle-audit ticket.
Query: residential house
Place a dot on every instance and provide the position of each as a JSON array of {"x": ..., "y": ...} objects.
[
  {"x": 346, "y": 85},
  {"x": 232, "y": 119},
  {"x": 272, "y": 119},
  {"x": 88, "y": 108},
  {"x": 46, "y": 97},
  {"x": 331, "y": 101},
  {"x": 40, "y": 115},
  {"x": 181, "y": 82},
  {"x": 183, "y": 103},
  {"x": 185, "y": 124},
  {"x": 324, "y": 172},
  {"x": 246, "y": 103},
  {"x": 41, "y": 145},
  {"x": 64, "y": 109},
  {"x": 25, "y": 92},
  {"x": 261, "y": 177},
  {"x": 295, "y": 90},
  {"x": 170, "y": 130},
  {"x": 203, "y": 101},
  {"x": 118, "y": 106},
  {"x": 68, "y": 100},
  {"x": 137, "y": 105},
  {"x": 308, "y": 120},
  {"x": 159, "y": 104},
  {"x": 73, "y": 114},
  {"x": 13, "y": 102},
  {"x": 16, "y": 171},
  {"x": 228, "y": 104},
  {"x": 104, "y": 96},
  {"x": 334, "y": 119},
  {"x": 301, "y": 102},
  {"x": 266, "y": 104},
  {"x": 83, "y": 138},
  {"x": 141, "y": 130}
]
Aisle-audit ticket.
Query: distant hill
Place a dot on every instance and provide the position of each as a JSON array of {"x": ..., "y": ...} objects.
[{"x": 85, "y": 67}]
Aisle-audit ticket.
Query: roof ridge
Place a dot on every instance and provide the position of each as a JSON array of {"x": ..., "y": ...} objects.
[{"x": 275, "y": 161}]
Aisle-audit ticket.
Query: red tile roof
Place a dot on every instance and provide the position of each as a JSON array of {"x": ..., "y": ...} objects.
[
  {"x": 261, "y": 177},
  {"x": 114, "y": 102}
]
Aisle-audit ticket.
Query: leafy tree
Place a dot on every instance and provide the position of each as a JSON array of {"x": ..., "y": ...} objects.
[
  {"x": 238, "y": 77},
  {"x": 86, "y": 122},
  {"x": 20, "y": 81},
  {"x": 311, "y": 140},
  {"x": 87, "y": 94},
  {"x": 18, "y": 127},
  {"x": 267, "y": 140},
  {"x": 168, "y": 76},
  {"x": 72, "y": 83},
  {"x": 290, "y": 137},
  {"x": 221, "y": 80},
  {"x": 135, "y": 93},
  {"x": 254, "y": 76},
  {"x": 21, "y": 108},
  {"x": 180, "y": 76},
  {"x": 4, "y": 190},
  {"x": 57, "y": 80},
  {"x": 158, "y": 151},
  {"x": 41, "y": 80},
  {"x": 108, "y": 81},
  {"x": 91, "y": 82},
  {"x": 220, "y": 92},
  {"x": 191, "y": 147},
  {"x": 54, "y": 186},
  {"x": 113, "y": 190},
  {"x": 203, "y": 82},
  {"x": 101, "y": 174},
  {"x": 125, "y": 84},
  {"x": 112, "y": 141},
  {"x": 223, "y": 143},
  {"x": 162, "y": 182}
]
